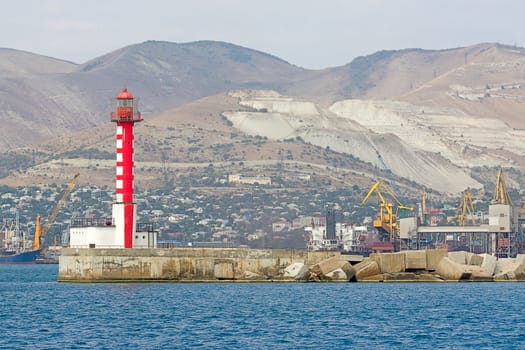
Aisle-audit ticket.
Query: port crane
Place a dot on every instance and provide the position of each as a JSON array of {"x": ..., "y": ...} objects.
[
  {"x": 464, "y": 209},
  {"x": 389, "y": 176},
  {"x": 426, "y": 196},
  {"x": 501, "y": 196},
  {"x": 387, "y": 222},
  {"x": 40, "y": 232},
  {"x": 507, "y": 243}
]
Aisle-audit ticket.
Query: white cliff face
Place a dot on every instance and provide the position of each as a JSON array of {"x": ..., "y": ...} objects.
[
  {"x": 465, "y": 141},
  {"x": 432, "y": 146}
]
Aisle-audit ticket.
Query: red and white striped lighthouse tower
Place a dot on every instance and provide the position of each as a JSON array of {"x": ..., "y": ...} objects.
[{"x": 124, "y": 212}]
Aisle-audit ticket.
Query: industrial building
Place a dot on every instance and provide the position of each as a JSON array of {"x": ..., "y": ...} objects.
[{"x": 398, "y": 227}]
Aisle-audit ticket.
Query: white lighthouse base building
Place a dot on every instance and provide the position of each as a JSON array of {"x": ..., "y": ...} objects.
[{"x": 109, "y": 233}]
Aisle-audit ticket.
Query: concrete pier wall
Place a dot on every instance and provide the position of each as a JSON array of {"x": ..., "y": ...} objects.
[
  {"x": 223, "y": 264},
  {"x": 181, "y": 264}
]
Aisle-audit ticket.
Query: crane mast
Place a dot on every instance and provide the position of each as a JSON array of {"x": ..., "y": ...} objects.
[
  {"x": 464, "y": 210},
  {"x": 40, "y": 232},
  {"x": 501, "y": 196}
]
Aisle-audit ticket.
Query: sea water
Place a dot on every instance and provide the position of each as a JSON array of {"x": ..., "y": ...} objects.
[{"x": 36, "y": 312}]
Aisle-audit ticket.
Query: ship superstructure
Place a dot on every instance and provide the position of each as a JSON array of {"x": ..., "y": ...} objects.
[
  {"x": 337, "y": 236},
  {"x": 16, "y": 247}
]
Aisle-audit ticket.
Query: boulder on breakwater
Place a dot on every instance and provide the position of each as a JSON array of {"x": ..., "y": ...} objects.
[{"x": 438, "y": 265}]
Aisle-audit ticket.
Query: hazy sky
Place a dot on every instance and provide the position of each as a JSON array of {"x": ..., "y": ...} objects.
[{"x": 310, "y": 34}]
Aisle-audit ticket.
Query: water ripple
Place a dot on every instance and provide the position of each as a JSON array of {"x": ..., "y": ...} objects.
[{"x": 39, "y": 313}]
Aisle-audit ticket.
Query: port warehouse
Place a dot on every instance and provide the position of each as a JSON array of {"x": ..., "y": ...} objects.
[{"x": 502, "y": 236}]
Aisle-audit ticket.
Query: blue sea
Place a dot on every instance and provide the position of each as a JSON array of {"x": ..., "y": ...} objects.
[{"x": 36, "y": 312}]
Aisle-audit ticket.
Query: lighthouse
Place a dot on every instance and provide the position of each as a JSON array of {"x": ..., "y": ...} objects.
[
  {"x": 122, "y": 229},
  {"x": 124, "y": 211}
]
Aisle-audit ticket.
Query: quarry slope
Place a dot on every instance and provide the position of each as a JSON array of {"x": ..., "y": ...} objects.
[{"x": 434, "y": 147}]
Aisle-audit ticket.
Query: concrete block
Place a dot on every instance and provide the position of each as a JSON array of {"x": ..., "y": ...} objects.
[
  {"x": 415, "y": 260},
  {"x": 373, "y": 278},
  {"x": 327, "y": 265},
  {"x": 502, "y": 263},
  {"x": 400, "y": 276},
  {"x": 489, "y": 263},
  {"x": 337, "y": 275},
  {"x": 296, "y": 271},
  {"x": 479, "y": 274},
  {"x": 366, "y": 268},
  {"x": 459, "y": 257},
  {"x": 434, "y": 256},
  {"x": 510, "y": 271},
  {"x": 520, "y": 258},
  {"x": 428, "y": 277},
  {"x": 351, "y": 258},
  {"x": 451, "y": 270},
  {"x": 454, "y": 271},
  {"x": 474, "y": 259},
  {"x": 390, "y": 262},
  {"x": 349, "y": 270},
  {"x": 505, "y": 276},
  {"x": 249, "y": 275},
  {"x": 223, "y": 271}
]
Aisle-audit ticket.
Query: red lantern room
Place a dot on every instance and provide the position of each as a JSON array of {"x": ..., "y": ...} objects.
[{"x": 127, "y": 110}]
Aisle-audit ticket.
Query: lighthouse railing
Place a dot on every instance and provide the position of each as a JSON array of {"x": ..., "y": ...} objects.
[{"x": 131, "y": 117}]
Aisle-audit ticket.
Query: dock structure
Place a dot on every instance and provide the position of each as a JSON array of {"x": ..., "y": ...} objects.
[
  {"x": 497, "y": 237},
  {"x": 259, "y": 265},
  {"x": 182, "y": 264},
  {"x": 476, "y": 238}
]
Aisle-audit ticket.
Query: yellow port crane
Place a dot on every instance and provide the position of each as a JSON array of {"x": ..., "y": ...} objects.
[
  {"x": 40, "y": 232},
  {"x": 501, "y": 196},
  {"x": 387, "y": 219},
  {"x": 464, "y": 209},
  {"x": 425, "y": 194}
]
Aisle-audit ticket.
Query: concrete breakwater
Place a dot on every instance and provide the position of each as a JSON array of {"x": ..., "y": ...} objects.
[
  {"x": 213, "y": 265},
  {"x": 182, "y": 264}
]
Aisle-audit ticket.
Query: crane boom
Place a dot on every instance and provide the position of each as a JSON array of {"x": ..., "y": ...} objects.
[
  {"x": 51, "y": 218},
  {"x": 464, "y": 209},
  {"x": 389, "y": 174},
  {"x": 387, "y": 219},
  {"x": 501, "y": 196},
  {"x": 376, "y": 188},
  {"x": 372, "y": 190}
]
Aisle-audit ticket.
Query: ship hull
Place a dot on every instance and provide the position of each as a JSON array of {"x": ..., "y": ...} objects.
[{"x": 20, "y": 258}]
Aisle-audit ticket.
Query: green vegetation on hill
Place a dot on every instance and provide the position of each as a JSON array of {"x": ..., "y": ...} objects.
[{"x": 11, "y": 162}]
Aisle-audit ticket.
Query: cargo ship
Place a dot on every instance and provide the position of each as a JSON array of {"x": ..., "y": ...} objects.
[
  {"x": 13, "y": 257},
  {"x": 15, "y": 247}
]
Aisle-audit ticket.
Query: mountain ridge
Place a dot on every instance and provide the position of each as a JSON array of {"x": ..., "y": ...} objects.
[{"x": 479, "y": 83}]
